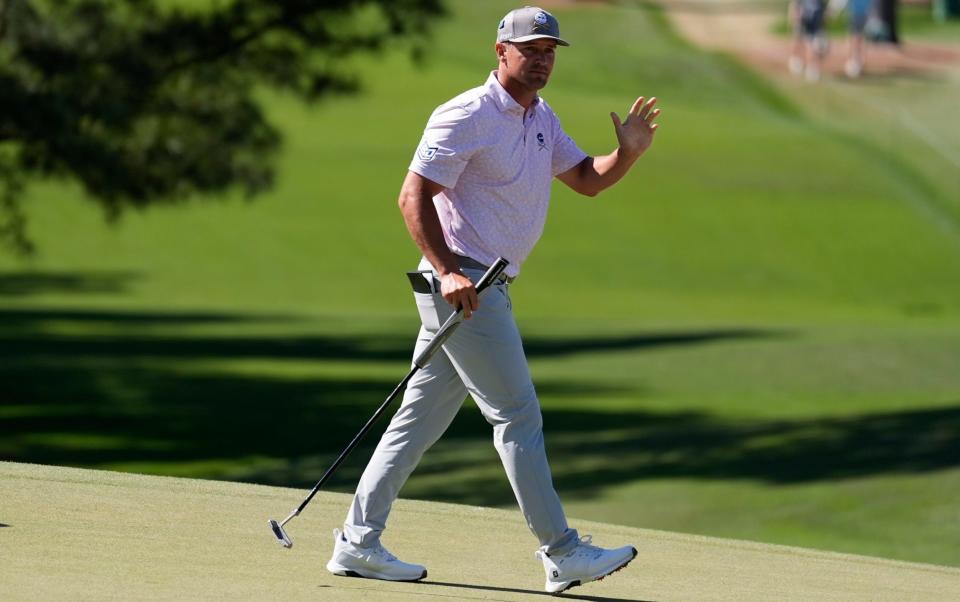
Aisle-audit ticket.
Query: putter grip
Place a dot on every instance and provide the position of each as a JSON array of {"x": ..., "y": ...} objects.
[{"x": 454, "y": 320}]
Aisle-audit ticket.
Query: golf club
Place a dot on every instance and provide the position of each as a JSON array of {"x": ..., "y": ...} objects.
[{"x": 447, "y": 329}]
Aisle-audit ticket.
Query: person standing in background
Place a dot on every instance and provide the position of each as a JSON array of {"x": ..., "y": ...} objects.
[
  {"x": 809, "y": 41},
  {"x": 858, "y": 12},
  {"x": 887, "y": 11}
]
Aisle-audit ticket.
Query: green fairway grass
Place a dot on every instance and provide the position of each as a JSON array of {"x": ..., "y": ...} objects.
[
  {"x": 92, "y": 535},
  {"x": 755, "y": 335}
]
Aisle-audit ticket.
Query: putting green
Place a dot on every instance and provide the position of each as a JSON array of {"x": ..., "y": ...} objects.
[{"x": 83, "y": 534}]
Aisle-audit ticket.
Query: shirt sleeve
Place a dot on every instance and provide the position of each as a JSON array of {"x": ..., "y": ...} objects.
[
  {"x": 448, "y": 142},
  {"x": 566, "y": 153}
]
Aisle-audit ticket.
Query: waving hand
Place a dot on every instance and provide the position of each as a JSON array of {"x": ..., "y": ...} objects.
[{"x": 635, "y": 134}]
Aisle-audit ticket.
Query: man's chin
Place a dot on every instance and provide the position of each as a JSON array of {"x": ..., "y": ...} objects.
[{"x": 538, "y": 82}]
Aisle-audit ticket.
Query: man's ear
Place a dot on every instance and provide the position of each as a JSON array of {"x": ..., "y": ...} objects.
[{"x": 501, "y": 49}]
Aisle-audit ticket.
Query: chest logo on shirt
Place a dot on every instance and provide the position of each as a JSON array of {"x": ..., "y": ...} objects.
[
  {"x": 426, "y": 152},
  {"x": 540, "y": 142}
]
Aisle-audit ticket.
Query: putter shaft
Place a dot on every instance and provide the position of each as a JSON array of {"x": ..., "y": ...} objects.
[{"x": 445, "y": 331}]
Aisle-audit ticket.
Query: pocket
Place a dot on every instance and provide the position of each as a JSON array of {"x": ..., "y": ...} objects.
[
  {"x": 433, "y": 310},
  {"x": 502, "y": 289}
]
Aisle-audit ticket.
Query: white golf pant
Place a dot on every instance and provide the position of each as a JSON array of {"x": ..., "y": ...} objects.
[{"x": 485, "y": 358}]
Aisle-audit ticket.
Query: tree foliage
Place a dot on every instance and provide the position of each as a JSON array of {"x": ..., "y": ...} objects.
[{"x": 144, "y": 103}]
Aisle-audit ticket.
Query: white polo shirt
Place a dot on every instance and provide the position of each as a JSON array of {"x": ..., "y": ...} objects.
[{"x": 496, "y": 166}]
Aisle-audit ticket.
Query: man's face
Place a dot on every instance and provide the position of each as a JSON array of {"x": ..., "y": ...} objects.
[{"x": 528, "y": 63}]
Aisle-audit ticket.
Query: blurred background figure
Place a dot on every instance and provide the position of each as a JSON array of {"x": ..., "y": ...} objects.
[
  {"x": 882, "y": 22},
  {"x": 887, "y": 11},
  {"x": 809, "y": 41},
  {"x": 946, "y": 9},
  {"x": 858, "y": 11}
]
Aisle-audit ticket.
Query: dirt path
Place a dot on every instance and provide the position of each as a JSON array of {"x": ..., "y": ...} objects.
[{"x": 745, "y": 29}]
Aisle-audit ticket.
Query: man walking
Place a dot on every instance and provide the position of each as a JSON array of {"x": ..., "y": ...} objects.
[{"x": 477, "y": 189}]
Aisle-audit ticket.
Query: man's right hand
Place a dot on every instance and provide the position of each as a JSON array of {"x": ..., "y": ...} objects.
[{"x": 459, "y": 291}]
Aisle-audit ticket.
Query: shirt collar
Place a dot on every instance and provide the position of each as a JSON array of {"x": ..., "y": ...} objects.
[{"x": 504, "y": 101}]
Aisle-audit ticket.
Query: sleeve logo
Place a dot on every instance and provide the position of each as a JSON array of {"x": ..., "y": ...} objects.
[{"x": 426, "y": 153}]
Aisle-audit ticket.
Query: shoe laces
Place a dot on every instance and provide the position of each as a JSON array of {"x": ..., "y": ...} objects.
[
  {"x": 585, "y": 548},
  {"x": 383, "y": 553}
]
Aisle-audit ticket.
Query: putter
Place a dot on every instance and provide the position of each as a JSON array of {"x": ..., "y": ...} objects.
[{"x": 419, "y": 362}]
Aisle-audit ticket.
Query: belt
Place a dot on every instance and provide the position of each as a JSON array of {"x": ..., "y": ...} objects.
[
  {"x": 424, "y": 282},
  {"x": 472, "y": 264}
]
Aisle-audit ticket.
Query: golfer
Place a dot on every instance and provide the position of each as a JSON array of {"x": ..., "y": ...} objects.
[{"x": 478, "y": 188}]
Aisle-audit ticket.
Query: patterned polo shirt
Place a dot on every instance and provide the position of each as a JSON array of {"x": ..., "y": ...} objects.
[{"x": 496, "y": 165}]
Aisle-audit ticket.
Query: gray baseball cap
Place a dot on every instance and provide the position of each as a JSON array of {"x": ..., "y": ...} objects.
[{"x": 529, "y": 23}]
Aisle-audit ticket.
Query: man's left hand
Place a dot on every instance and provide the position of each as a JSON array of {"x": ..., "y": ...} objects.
[{"x": 635, "y": 134}]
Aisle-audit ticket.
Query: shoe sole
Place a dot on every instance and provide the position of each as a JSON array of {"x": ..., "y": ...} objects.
[
  {"x": 342, "y": 571},
  {"x": 576, "y": 582}
]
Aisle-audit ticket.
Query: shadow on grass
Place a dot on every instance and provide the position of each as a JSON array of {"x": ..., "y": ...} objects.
[
  {"x": 25, "y": 326},
  {"x": 146, "y": 402},
  {"x": 590, "y": 450},
  {"x": 564, "y": 596},
  {"x": 23, "y": 284}
]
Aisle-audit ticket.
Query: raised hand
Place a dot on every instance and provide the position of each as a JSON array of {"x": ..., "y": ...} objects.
[{"x": 635, "y": 134}]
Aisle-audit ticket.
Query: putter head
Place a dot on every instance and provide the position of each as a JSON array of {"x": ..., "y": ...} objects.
[{"x": 282, "y": 538}]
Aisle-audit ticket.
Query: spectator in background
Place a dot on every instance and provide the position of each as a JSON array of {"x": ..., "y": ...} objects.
[
  {"x": 858, "y": 11},
  {"x": 809, "y": 40},
  {"x": 887, "y": 11}
]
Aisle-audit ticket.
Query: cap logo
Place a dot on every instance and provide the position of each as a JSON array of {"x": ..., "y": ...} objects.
[
  {"x": 502, "y": 23},
  {"x": 540, "y": 18}
]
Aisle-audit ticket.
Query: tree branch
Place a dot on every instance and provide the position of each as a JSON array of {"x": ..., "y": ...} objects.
[
  {"x": 4, "y": 14},
  {"x": 288, "y": 19}
]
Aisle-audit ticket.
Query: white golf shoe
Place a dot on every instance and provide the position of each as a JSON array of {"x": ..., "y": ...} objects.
[
  {"x": 583, "y": 564},
  {"x": 373, "y": 563}
]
